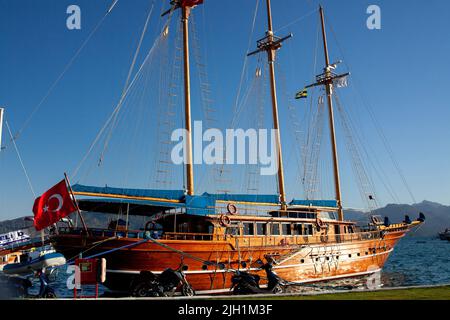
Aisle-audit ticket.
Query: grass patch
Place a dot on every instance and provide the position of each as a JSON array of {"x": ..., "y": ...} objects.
[{"x": 434, "y": 293}]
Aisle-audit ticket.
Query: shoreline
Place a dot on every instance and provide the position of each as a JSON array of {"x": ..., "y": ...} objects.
[{"x": 425, "y": 292}]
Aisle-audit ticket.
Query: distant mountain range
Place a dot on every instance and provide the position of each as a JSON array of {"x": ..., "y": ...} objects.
[{"x": 437, "y": 218}]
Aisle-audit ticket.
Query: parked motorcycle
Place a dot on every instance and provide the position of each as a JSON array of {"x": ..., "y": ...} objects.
[
  {"x": 248, "y": 283},
  {"x": 147, "y": 284},
  {"x": 15, "y": 287},
  {"x": 18, "y": 287}
]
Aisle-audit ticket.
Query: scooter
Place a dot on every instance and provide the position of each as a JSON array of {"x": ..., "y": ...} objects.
[
  {"x": 247, "y": 283},
  {"x": 147, "y": 284},
  {"x": 45, "y": 291}
]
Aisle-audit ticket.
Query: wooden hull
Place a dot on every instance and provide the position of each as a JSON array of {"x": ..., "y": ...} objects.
[{"x": 300, "y": 264}]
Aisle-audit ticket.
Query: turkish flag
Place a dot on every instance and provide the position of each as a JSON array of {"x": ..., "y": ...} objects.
[
  {"x": 52, "y": 206},
  {"x": 190, "y": 3}
]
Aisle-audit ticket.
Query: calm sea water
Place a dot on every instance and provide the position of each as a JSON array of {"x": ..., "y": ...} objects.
[
  {"x": 415, "y": 261},
  {"x": 418, "y": 261}
]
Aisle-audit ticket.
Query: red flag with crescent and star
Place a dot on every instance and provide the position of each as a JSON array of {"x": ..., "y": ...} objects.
[{"x": 52, "y": 206}]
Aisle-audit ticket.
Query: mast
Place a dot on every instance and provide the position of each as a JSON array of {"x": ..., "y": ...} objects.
[
  {"x": 187, "y": 101},
  {"x": 329, "y": 90},
  {"x": 327, "y": 79},
  {"x": 186, "y": 6},
  {"x": 270, "y": 43}
]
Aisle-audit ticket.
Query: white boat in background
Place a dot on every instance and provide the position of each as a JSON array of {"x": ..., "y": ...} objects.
[
  {"x": 12, "y": 257},
  {"x": 27, "y": 262}
]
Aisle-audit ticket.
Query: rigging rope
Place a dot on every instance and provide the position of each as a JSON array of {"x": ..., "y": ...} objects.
[
  {"x": 170, "y": 84},
  {"x": 130, "y": 71},
  {"x": 61, "y": 75},
  {"x": 119, "y": 104},
  {"x": 366, "y": 186},
  {"x": 377, "y": 125},
  {"x": 20, "y": 159},
  {"x": 296, "y": 20},
  {"x": 244, "y": 66}
]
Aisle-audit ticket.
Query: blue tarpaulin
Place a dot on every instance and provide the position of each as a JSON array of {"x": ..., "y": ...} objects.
[
  {"x": 256, "y": 198},
  {"x": 314, "y": 203},
  {"x": 147, "y": 193},
  {"x": 170, "y": 199}
]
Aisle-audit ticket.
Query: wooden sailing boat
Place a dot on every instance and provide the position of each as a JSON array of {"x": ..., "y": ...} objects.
[{"x": 308, "y": 240}]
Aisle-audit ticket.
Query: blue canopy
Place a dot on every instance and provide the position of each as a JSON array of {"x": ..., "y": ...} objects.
[
  {"x": 251, "y": 198},
  {"x": 314, "y": 203},
  {"x": 149, "y": 201},
  {"x": 147, "y": 193}
]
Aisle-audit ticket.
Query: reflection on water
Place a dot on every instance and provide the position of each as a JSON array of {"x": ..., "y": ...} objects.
[{"x": 415, "y": 261}]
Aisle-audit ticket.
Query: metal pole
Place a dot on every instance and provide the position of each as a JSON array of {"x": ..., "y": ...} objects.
[
  {"x": 329, "y": 90},
  {"x": 276, "y": 126},
  {"x": 187, "y": 102},
  {"x": 75, "y": 202}
]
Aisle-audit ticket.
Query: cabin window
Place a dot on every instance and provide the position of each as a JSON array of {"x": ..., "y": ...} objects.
[
  {"x": 276, "y": 229},
  {"x": 232, "y": 230},
  {"x": 249, "y": 229},
  {"x": 297, "y": 229},
  {"x": 308, "y": 230},
  {"x": 183, "y": 227},
  {"x": 286, "y": 229},
  {"x": 261, "y": 228}
]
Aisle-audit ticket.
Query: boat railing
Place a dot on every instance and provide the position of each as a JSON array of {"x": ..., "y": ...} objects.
[
  {"x": 247, "y": 239},
  {"x": 103, "y": 232},
  {"x": 192, "y": 236}
]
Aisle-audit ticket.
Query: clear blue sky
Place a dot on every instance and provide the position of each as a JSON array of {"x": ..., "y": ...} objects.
[{"x": 402, "y": 71}]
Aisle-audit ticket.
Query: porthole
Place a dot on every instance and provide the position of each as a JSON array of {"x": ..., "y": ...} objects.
[{"x": 349, "y": 255}]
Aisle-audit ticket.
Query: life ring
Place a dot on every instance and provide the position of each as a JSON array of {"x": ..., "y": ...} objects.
[
  {"x": 320, "y": 223},
  {"x": 225, "y": 220},
  {"x": 232, "y": 209}
]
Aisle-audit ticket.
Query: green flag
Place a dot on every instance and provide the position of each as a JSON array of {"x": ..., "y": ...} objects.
[{"x": 302, "y": 94}]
